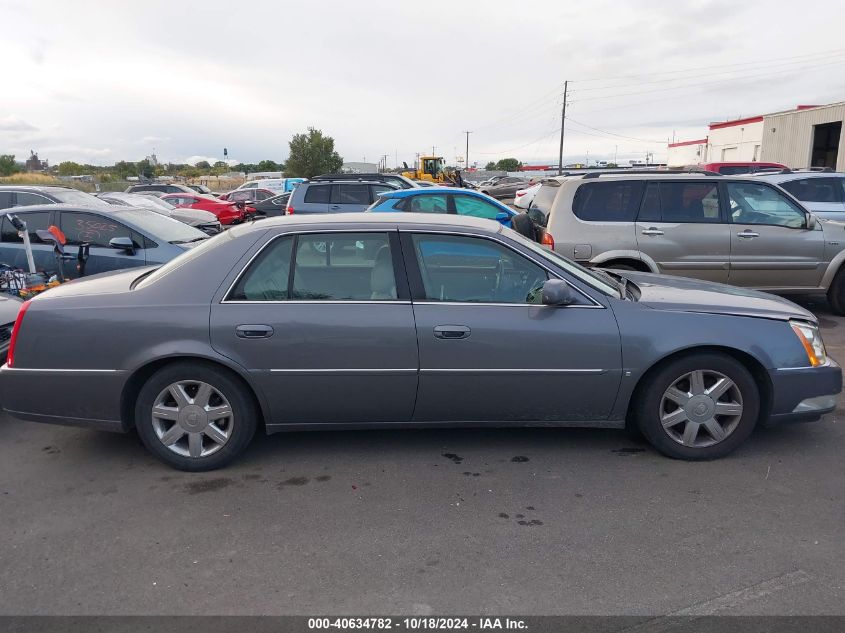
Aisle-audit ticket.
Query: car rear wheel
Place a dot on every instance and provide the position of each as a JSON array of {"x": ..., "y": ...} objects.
[
  {"x": 194, "y": 416},
  {"x": 698, "y": 407}
]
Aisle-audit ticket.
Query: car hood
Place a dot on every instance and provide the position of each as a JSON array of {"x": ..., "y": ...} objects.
[{"x": 664, "y": 292}]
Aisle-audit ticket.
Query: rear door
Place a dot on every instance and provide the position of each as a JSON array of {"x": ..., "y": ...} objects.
[
  {"x": 682, "y": 228},
  {"x": 349, "y": 198},
  {"x": 12, "y": 250},
  {"x": 324, "y": 324},
  {"x": 771, "y": 246}
]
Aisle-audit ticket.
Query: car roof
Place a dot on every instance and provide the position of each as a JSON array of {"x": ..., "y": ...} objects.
[
  {"x": 421, "y": 191},
  {"x": 796, "y": 175},
  {"x": 655, "y": 175},
  {"x": 41, "y": 188},
  {"x": 432, "y": 220}
]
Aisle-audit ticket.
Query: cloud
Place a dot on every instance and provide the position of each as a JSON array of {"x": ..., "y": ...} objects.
[{"x": 12, "y": 123}]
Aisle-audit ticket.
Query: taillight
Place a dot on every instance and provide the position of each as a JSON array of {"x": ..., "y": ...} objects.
[
  {"x": 289, "y": 210},
  {"x": 10, "y": 357},
  {"x": 520, "y": 193},
  {"x": 548, "y": 240}
]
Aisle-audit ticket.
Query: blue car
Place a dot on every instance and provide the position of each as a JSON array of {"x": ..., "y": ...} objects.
[{"x": 453, "y": 201}]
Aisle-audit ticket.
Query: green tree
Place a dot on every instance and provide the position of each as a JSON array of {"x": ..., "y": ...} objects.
[
  {"x": 145, "y": 169},
  {"x": 312, "y": 154},
  {"x": 124, "y": 169},
  {"x": 268, "y": 165},
  {"x": 491, "y": 166},
  {"x": 508, "y": 164},
  {"x": 203, "y": 164},
  {"x": 8, "y": 166},
  {"x": 69, "y": 168}
]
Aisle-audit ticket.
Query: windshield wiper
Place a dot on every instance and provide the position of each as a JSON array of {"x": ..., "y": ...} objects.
[{"x": 617, "y": 280}]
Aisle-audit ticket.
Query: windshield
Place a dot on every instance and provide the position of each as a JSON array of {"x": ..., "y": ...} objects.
[
  {"x": 593, "y": 279},
  {"x": 72, "y": 196},
  {"x": 160, "y": 227},
  {"x": 150, "y": 202}
]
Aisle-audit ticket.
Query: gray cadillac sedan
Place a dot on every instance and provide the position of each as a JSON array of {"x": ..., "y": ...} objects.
[{"x": 399, "y": 320}]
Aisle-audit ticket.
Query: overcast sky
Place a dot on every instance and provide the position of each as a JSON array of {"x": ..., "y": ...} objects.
[{"x": 100, "y": 81}]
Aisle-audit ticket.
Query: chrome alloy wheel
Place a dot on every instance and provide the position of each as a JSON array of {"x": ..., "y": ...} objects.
[
  {"x": 701, "y": 408},
  {"x": 192, "y": 418}
]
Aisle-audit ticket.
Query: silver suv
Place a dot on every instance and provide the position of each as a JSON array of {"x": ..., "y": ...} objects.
[
  {"x": 326, "y": 196},
  {"x": 737, "y": 230}
]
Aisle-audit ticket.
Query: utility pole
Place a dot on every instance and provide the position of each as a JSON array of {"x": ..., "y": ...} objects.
[
  {"x": 432, "y": 150},
  {"x": 562, "y": 126},
  {"x": 466, "y": 155},
  {"x": 615, "y": 153}
]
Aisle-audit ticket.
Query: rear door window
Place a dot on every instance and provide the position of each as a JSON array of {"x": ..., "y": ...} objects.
[
  {"x": 475, "y": 207},
  {"x": 430, "y": 203},
  {"x": 23, "y": 198},
  {"x": 5, "y": 199},
  {"x": 35, "y": 221},
  {"x": 681, "y": 202},
  {"x": 318, "y": 194},
  {"x": 351, "y": 194},
  {"x": 608, "y": 201}
]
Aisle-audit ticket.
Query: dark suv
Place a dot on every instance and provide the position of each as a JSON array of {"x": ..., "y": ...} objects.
[
  {"x": 163, "y": 187},
  {"x": 22, "y": 196}
]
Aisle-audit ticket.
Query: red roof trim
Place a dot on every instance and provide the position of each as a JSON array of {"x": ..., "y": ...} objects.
[
  {"x": 718, "y": 126},
  {"x": 700, "y": 141},
  {"x": 807, "y": 107}
]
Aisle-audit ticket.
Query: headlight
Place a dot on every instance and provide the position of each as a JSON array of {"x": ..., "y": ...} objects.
[{"x": 811, "y": 339}]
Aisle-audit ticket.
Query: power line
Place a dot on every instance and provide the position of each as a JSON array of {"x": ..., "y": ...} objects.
[
  {"x": 686, "y": 70},
  {"x": 631, "y": 138},
  {"x": 700, "y": 84}
]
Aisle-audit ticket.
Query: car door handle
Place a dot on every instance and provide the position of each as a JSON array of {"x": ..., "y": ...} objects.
[
  {"x": 652, "y": 231},
  {"x": 451, "y": 331},
  {"x": 334, "y": 207},
  {"x": 746, "y": 234},
  {"x": 254, "y": 331}
]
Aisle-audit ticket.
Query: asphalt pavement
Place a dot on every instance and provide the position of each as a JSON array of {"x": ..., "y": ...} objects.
[{"x": 512, "y": 521}]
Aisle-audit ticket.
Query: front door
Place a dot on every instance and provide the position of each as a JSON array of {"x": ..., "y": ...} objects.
[
  {"x": 771, "y": 246},
  {"x": 682, "y": 229},
  {"x": 324, "y": 324},
  {"x": 490, "y": 351},
  {"x": 97, "y": 230}
]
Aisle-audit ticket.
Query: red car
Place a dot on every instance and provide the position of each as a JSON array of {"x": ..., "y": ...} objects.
[{"x": 227, "y": 212}]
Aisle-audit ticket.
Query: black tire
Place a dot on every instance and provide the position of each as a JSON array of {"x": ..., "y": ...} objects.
[
  {"x": 836, "y": 293},
  {"x": 648, "y": 406},
  {"x": 244, "y": 417},
  {"x": 524, "y": 225}
]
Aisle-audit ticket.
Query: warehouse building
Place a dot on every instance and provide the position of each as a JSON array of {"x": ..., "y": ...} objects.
[{"x": 810, "y": 137}]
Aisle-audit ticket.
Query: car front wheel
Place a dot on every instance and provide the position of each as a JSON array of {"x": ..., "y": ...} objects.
[
  {"x": 194, "y": 417},
  {"x": 698, "y": 407}
]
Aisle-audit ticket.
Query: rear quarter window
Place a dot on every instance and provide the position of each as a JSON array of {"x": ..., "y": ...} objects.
[
  {"x": 541, "y": 206},
  {"x": 608, "y": 201}
]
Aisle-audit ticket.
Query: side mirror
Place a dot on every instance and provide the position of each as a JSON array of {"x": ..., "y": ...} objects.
[
  {"x": 811, "y": 221},
  {"x": 123, "y": 244},
  {"x": 557, "y": 292},
  {"x": 503, "y": 216}
]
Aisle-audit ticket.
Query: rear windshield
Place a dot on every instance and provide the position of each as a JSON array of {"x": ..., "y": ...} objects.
[
  {"x": 72, "y": 196},
  {"x": 160, "y": 227}
]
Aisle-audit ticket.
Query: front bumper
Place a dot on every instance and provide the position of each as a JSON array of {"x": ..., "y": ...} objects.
[{"x": 804, "y": 394}]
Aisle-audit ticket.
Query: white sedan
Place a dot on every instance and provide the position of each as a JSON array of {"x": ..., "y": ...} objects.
[{"x": 524, "y": 197}]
